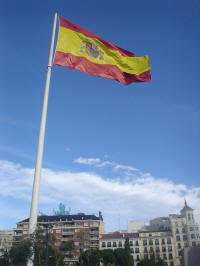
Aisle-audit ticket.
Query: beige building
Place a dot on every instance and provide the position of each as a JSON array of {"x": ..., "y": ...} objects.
[
  {"x": 83, "y": 229},
  {"x": 184, "y": 229},
  {"x": 159, "y": 243},
  {"x": 143, "y": 244},
  {"x": 6, "y": 239}
]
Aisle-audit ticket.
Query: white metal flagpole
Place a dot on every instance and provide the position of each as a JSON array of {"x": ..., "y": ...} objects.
[{"x": 38, "y": 167}]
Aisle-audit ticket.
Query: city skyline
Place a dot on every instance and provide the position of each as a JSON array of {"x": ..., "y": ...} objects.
[{"x": 131, "y": 152}]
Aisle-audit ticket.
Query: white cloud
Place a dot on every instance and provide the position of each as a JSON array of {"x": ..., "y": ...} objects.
[
  {"x": 97, "y": 162},
  {"x": 87, "y": 161},
  {"x": 137, "y": 199}
]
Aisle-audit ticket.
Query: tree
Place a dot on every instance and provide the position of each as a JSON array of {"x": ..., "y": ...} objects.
[
  {"x": 108, "y": 256},
  {"x": 127, "y": 245},
  {"x": 91, "y": 258},
  {"x": 45, "y": 251},
  {"x": 123, "y": 258},
  {"x": 19, "y": 254}
]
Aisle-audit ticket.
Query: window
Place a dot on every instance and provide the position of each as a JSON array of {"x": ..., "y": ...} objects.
[
  {"x": 185, "y": 244},
  {"x": 108, "y": 244},
  {"x": 67, "y": 230},
  {"x": 145, "y": 250},
  {"x": 168, "y": 240},
  {"x": 189, "y": 218},
  {"x": 163, "y": 249},
  {"x": 157, "y": 242},
  {"x": 183, "y": 230},
  {"x": 103, "y": 245},
  {"x": 157, "y": 249},
  {"x": 169, "y": 248},
  {"x": 151, "y": 249},
  {"x": 171, "y": 263},
  {"x": 131, "y": 243},
  {"x": 163, "y": 241},
  {"x": 179, "y": 245},
  {"x": 138, "y": 257},
  {"x": 144, "y": 242},
  {"x": 164, "y": 257},
  {"x": 191, "y": 229},
  {"x": 137, "y": 250},
  {"x": 120, "y": 244},
  {"x": 184, "y": 237},
  {"x": 114, "y": 244},
  {"x": 192, "y": 236},
  {"x": 132, "y": 250},
  {"x": 170, "y": 256},
  {"x": 177, "y": 231},
  {"x": 193, "y": 244},
  {"x": 150, "y": 242},
  {"x": 77, "y": 230},
  {"x": 136, "y": 243},
  {"x": 95, "y": 224},
  {"x": 58, "y": 231},
  {"x": 178, "y": 238},
  {"x": 85, "y": 224},
  {"x": 25, "y": 225}
]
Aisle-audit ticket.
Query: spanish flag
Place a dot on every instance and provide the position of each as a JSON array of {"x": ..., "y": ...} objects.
[{"x": 80, "y": 49}]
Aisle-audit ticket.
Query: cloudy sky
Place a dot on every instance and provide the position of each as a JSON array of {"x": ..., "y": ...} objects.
[{"x": 131, "y": 152}]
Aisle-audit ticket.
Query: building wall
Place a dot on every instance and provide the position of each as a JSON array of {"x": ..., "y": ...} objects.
[
  {"x": 85, "y": 233},
  {"x": 143, "y": 244},
  {"x": 6, "y": 239}
]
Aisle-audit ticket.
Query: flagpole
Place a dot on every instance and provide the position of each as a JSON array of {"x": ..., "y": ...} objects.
[{"x": 38, "y": 167}]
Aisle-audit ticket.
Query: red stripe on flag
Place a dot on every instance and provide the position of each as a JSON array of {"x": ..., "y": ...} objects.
[
  {"x": 105, "y": 71},
  {"x": 67, "y": 24}
]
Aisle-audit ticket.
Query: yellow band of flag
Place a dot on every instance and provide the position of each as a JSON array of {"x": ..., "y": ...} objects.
[{"x": 76, "y": 43}]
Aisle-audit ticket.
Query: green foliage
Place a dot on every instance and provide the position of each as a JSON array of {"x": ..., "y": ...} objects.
[
  {"x": 20, "y": 254},
  {"x": 92, "y": 258},
  {"x": 123, "y": 257},
  {"x": 127, "y": 245},
  {"x": 44, "y": 247},
  {"x": 108, "y": 256}
]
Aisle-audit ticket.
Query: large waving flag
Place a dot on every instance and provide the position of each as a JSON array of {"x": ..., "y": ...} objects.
[{"x": 80, "y": 49}]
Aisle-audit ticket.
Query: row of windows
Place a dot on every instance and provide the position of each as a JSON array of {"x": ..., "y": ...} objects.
[
  {"x": 163, "y": 242},
  {"x": 163, "y": 249},
  {"x": 184, "y": 230},
  {"x": 178, "y": 238}
]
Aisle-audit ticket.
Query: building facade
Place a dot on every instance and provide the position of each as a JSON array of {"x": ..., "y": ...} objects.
[
  {"x": 83, "y": 229},
  {"x": 143, "y": 244},
  {"x": 184, "y": 229},
  {"x": 6, "y": 239}
]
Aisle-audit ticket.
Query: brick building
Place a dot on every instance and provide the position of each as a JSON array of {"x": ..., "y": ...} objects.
[{"x": 83, "y": 229}]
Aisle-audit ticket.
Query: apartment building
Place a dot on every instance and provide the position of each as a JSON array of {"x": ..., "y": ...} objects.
[{"x": 83, "y": 229}]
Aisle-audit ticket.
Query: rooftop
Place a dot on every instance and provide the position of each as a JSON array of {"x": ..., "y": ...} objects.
[
  {"x": 117, "y": 235},
  {"x": 63, "y": 218}
]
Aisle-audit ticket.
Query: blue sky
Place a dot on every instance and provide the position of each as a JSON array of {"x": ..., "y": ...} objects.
[{"x": 130, "y": 151}]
